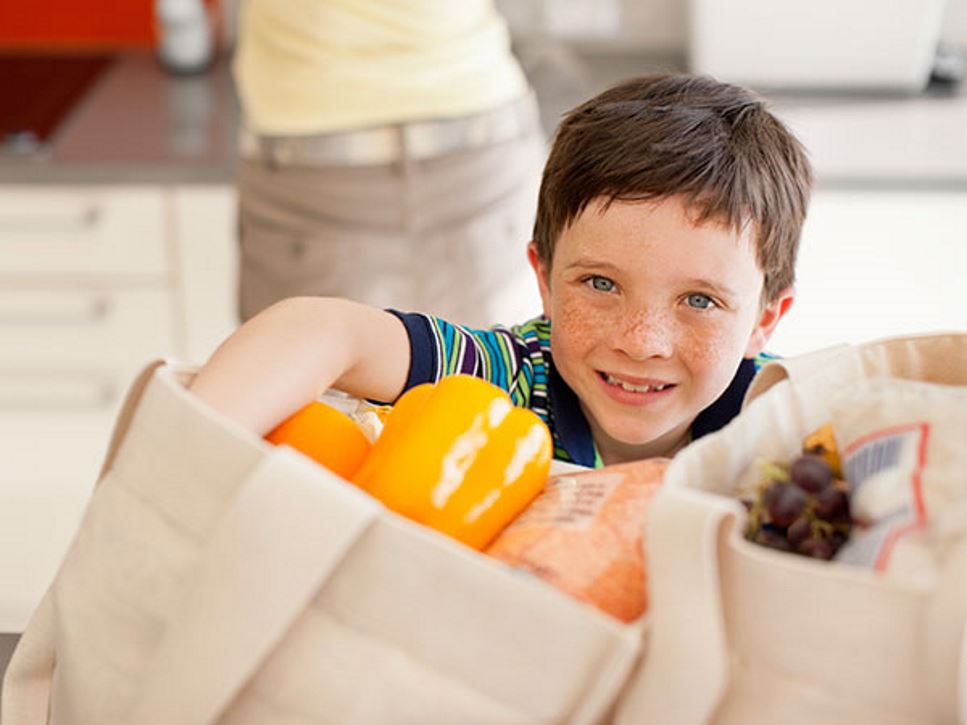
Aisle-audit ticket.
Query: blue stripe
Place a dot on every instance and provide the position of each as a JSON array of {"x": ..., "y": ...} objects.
[{"x": 499, "y": 369}]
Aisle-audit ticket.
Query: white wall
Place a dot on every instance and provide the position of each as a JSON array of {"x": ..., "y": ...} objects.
[
  {"x": 648, "y": 25},
  {"x": 877, "y": 264},
  {"x": 955, "y": 23}
]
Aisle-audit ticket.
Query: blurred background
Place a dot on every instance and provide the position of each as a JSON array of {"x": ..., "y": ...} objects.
[{"x": 118, "y": 201}]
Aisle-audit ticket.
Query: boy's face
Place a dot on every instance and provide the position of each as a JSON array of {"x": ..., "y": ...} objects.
[{"x": 651, "y": 316}]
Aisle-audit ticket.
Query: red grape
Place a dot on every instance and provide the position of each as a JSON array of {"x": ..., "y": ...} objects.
[
  {"x": 811, "y": 473},
  {"x": 832, "y": 504},
  {"x": 787, "y": 503},
  {"x": 773, "y": 539},
  {"x": 799, "y": 530},
  {"x": 817, "y": 548},
  {"x": 800, "y": 508}
]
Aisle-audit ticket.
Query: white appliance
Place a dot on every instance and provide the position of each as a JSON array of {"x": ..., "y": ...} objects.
[
  {"x": 185, "y": 38},
  {"x": 884, "y": 45}
]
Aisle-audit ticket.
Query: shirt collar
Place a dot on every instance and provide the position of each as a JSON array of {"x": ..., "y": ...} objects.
[
  {"x": 728, "y": 404},
  {"x": 570, "y": 425}
]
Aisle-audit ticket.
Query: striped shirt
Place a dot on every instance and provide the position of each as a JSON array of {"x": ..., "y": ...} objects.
[{"x": 518, "y": 360}]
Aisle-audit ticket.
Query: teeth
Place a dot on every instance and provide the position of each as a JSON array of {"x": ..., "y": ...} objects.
[{"x": 633, "y": 388}]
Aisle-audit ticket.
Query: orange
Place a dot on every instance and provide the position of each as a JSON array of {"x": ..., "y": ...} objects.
[{"x": 326, "y": 435}]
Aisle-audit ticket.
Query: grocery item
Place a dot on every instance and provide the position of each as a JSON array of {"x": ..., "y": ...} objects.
[
  {"x": 370, "y": 417},
  {"x": 803, "y": 506},
  {"x": 903, "y": 454},
  {"x": 822, "y": 443},
  {"x": 459, "y": 457},
  {"x": 326, "y": 435},
  {"x": 583, "y": 534},
  {"x": 367, "y": 415}
]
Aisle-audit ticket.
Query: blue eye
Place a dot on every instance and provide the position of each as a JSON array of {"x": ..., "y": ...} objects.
[
  {"x": 700, "y": 301},
  {"x": 601, "y": 284}
]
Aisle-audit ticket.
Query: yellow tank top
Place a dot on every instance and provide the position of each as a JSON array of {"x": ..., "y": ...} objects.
[{"x": 312, "y": 66}]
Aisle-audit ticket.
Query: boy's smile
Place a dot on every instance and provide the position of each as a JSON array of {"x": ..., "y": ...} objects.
[{"x": 651, "y": 315}]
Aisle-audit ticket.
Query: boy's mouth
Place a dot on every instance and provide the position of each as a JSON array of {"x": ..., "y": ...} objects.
[{"x": 635, "y": 387}]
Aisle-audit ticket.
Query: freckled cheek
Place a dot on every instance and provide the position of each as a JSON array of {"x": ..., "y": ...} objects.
[
  {"x": 577, "y": 327},
  {"x": 706, "y": 350}
]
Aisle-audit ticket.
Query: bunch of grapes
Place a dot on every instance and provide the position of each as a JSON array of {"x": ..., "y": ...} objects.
[{"x": 802, "y": 508}]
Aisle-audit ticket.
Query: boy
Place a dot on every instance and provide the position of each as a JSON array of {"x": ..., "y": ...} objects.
[{"x": 667, "y": 227}]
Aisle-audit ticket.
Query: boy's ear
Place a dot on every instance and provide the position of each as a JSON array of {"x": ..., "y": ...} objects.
[
  {"x": 543, "y": 277},
  {"x": 768, "y": 319}
]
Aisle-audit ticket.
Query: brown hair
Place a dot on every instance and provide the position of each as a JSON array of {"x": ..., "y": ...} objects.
[{"x": 713, "y": 143}]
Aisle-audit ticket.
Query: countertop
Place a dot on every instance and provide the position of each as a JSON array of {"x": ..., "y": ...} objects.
[
  {"x": 913, "y": 142},
  {"x": 139, "y": 124},
  {"x": 855, "y": 140}
]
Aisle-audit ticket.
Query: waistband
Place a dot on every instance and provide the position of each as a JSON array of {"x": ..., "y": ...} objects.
[{"x": 394, "y": 142}]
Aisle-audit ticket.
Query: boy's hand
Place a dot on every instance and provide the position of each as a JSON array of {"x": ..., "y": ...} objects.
[{"x": 295, "y": 350}]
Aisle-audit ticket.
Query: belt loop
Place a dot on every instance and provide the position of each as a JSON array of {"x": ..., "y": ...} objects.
[
  {"x": 267, "y": 151},
  {"x": 406, "y": 148},
  {"x": 404, "y": 138}
]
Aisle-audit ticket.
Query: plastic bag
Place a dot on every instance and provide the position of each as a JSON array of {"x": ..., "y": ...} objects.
[{"x": 583, "y": 534}]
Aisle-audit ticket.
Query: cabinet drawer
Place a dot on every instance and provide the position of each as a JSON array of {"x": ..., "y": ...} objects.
[
  {"x": 78, "y": 329},
  {"x": 101, "y": 232}
]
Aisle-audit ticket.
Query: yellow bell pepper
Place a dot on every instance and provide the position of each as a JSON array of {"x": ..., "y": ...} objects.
[{"x": 459, "y": 457}]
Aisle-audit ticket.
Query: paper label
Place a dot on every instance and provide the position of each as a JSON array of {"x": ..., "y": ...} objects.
[
  {"x": 569, "y": 502},
  {"x": 884, "y": 471}
]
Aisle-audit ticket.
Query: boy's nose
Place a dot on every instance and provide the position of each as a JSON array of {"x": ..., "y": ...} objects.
[{"x": 644, "y": 336}]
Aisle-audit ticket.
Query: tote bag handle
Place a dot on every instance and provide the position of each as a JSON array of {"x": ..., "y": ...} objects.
[
  {"x": 686, "y": 669},
  {"x": 29, "y": 675},
  {"x": 287, "y": 530},
  {"x": 935, "y": 358}
]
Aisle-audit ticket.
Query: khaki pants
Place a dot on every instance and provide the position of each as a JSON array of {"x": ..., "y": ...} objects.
[{"x": 445, "y": 235}]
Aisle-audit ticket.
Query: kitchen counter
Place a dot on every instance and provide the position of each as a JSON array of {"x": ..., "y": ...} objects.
[
  {"x": 854, "y": 140},
  {"x": 117, "y": 246},
  {"x": 139, "y": 124},
  {"x": 902, "y": 142}
]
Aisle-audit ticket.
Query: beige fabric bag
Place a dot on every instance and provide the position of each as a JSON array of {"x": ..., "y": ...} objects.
[
  {"x": 744, "y": 634},
  {"x": 215, "y": 578}
]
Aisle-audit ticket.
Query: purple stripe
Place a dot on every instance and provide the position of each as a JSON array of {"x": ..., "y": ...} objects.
[{"x": 469, "y": 361}]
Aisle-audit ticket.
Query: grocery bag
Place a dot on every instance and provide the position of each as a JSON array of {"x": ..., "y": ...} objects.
[
  {"x": 218, "y": 579},
  {"x": 745, "y": 634}
]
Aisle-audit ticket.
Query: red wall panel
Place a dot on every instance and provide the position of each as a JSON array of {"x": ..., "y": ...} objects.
[{"x": 44, "y": 24}]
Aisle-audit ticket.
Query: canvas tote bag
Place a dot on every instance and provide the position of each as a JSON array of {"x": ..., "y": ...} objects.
[
  {"x": 215, "y": 578},
  {"x": 745, "y": 634}
]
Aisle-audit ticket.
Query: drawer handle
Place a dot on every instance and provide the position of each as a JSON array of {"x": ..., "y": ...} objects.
[
  {"x": 87, "y": 311},
  {"x": 75, "y": 220},
  {"x": 30, "y": 392}
]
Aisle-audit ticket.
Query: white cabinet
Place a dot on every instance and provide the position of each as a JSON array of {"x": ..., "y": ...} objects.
[
  {"x": 111, "y": 234},
  {"x": 94, "y": 283},
  {"x": 206, "y": 266},
  {"x": 877, "y": 263}
]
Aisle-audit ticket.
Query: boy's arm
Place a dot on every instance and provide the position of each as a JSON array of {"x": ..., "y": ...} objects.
[{"x": 296, "y": 349}]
